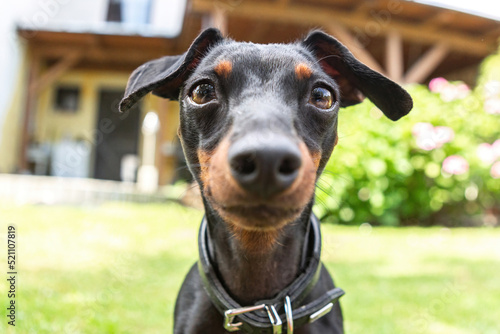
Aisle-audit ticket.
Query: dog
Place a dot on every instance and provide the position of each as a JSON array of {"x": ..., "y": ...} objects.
[{"x": 258, "y": 123}]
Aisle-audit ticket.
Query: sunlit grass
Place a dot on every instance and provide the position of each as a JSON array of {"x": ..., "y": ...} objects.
[
  {"x": 415, "y": 280},
  {"x": 117, "y": 268}
]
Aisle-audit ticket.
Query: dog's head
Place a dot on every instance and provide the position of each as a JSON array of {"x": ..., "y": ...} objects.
[{"x": 259, "y": 122}]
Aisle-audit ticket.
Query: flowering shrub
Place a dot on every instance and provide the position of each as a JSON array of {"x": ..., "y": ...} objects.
[{"x": 438, "y": 165}]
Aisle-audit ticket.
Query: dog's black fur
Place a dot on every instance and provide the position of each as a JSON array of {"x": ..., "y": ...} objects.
[{"x": 258, "y": 124}]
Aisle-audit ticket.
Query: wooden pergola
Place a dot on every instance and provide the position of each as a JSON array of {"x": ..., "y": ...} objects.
[
  {"x": 52, "y": 53},
  {"x": 407, "y": 41}
]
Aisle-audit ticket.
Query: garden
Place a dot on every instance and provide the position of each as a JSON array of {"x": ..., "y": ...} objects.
[
  {"x": 117, "y": 268},
  {"x": 397, "y": 200},
  {"x": 440, "y": 165}
]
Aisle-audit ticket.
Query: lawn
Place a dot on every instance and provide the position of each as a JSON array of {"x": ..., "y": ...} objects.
[{"x": 116, "y": 268}]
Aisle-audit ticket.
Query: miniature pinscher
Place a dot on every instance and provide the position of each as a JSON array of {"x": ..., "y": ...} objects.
[{"x": 258, "y": 124}]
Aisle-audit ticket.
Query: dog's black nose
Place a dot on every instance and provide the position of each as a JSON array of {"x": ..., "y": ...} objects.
[{"x": 264, "y": 167}]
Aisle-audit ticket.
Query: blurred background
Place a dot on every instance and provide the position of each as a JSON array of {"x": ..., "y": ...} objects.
[{"x": 104, "y": 203}]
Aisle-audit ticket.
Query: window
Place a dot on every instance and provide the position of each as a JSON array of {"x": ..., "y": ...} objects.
[
  {"x": 114, "y": 11},
  {"x": 67, "y": 99},
  {"x": 135, "y": 12}
]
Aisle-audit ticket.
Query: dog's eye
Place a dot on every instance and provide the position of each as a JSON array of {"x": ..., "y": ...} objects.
[
  {"x": 203, "y": 93},
  {"x": 321, "y": 98}
]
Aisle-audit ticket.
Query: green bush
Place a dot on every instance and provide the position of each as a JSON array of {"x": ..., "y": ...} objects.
[{"x": 438, "y": 165}]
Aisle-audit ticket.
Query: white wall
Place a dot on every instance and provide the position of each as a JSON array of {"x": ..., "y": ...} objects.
[
  {"x": 166, "y": 17},
  {"x": 10, "y": 52},
  {"x": 36, "y": 14},
  {"x": 44, "y": 13}
]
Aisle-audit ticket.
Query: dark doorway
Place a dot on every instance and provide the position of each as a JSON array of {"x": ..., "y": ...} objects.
[{"x": 116, "y": 135}]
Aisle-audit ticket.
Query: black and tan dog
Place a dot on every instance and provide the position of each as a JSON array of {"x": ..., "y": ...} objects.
[{"x": 258, "y": 124}]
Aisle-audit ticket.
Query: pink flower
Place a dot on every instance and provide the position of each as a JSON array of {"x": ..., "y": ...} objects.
[
  {"x": 426, "y": 143},
  {"x": 485, "y": 153},
  {"x": 489, "y": 153},
  {"x": 491, "y": 89},
  {"x": 455, "y": 164},
  {"x": 437, "y": 85},
  {"x": 495, "y": 170},
  {"x": 443, "y": 134},
  {"x": 423, "y": 132},
  {"x": 462, "y": 90},
  {"x": 454, "y": 92},
  {"x": 429, "y": 137},
  {"x": 492, "y": 106},
  {"x": 421, "y": 128},
  {"x": 496, "y": 148}
]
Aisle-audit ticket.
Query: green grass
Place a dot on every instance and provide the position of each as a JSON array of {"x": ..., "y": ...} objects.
[{"x": 117, "y": 268}]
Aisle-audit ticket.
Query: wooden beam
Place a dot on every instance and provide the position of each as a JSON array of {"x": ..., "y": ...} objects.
[
  {"x": 258, "y": 31},
  {"x": 307, "y": 15},
  {"x": 29, "y": 105},
  {"x": 439, "y": 19},
  {"x": 421, "y": 69},
  {"x": 356, "y": 48},
  {"x": 105, "y": 54},
  {"x": 364, "y": 6},
  {"x": 217, "y": 18},
  {"x": 55, "y": 72},
  {"x": 283, "y": 3},
  {"x": 493, "y": 33},
  {"x": 160, "y": 140},
  {"x": 37, "y": 83},
  {"x": 394, "y": 56}
]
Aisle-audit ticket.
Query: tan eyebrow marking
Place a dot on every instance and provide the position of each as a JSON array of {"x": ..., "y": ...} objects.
[
  {"x": 224, "y": 68},
  {"x": 302, "y": 71}
]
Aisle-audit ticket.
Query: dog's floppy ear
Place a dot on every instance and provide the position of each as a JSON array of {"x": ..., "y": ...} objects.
[
  {"x": 355, "y": 79},
  {"x": 164, "y": 76}
]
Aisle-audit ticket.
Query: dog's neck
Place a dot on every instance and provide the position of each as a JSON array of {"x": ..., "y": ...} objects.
[{"x": 259, "y": 272}]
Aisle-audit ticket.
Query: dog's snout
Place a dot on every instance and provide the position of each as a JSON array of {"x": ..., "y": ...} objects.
[{"x": 264, "y": 167}]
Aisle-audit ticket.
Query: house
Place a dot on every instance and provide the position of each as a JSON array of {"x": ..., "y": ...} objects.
[
  {"x": 73, "y": 62},
  {"x": 69, "y": 62}
]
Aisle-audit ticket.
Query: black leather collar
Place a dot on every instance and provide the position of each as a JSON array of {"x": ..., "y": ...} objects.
[{"x": 260, "y": 321}]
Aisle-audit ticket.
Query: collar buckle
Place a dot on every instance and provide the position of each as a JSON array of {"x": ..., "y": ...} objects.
[
  {"x": 274, "y": 318},
  {"x": 230, "y": 314}
]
